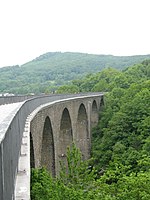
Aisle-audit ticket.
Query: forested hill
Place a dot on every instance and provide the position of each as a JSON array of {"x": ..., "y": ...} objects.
[{"x": 48, "y": 71}]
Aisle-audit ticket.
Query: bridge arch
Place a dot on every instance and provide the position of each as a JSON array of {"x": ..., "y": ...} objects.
[
  {"x": 82, "y": 130},
  {"x": 94, "y": 114},
  {"x": 47, "y": 150},
  {"x": 65, "y": 135}
]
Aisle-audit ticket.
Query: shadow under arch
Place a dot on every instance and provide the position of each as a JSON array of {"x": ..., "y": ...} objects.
[
  {"x": 102, "y": 103},
  {"x": 47, "y": 150},
  {"x": 94, "y": 114},
  {"x": 65, "y": 136},
  {"x": 32, "y": 159},
  {"x": 82, "y": 131}
]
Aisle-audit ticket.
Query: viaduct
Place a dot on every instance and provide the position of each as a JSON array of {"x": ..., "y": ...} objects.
[{"x": 37, "y": 132}]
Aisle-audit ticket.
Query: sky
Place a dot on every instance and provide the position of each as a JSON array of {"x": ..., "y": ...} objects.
[{"x": 30, "y": 28}]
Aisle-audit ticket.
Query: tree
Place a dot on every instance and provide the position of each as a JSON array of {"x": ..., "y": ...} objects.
[{"x": 67, "y": 89}]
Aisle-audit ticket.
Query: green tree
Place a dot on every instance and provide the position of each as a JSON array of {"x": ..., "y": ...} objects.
[{"x": 67, "y": 89}]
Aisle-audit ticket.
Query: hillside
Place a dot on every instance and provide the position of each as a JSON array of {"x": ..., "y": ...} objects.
[{"x": 53, "y": 69}]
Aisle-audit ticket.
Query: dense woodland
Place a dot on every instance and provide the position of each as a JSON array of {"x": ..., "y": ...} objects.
[
  {"x": 47, "y": 72},
  {"x": 120, "y": 165}
]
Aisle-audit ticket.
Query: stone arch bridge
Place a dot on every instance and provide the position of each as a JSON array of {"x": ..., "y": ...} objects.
[{"x": 37, "y": 132}]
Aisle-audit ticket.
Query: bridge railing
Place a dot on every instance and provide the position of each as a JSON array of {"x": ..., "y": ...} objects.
[{"x": 11, "y": 133}]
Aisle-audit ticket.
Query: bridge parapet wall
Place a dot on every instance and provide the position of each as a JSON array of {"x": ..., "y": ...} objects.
[{"x": 14, "y": 99}]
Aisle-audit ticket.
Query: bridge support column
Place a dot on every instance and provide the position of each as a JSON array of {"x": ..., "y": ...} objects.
[{"x": 89, "y": 111}]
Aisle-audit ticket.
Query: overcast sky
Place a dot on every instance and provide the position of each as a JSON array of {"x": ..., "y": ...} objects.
[{"x": 29, "y": 28}]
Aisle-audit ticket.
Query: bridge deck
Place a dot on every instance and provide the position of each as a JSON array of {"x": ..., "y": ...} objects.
[
  {"x": 7, "y": 112},
  {"x": 8, "y": 109}
]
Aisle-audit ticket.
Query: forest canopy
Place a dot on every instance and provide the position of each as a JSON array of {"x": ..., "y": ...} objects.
[{"x": 120, "y": 163}]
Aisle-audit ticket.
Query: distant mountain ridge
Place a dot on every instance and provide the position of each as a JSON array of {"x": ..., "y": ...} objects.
[{"x": 53, "y": 69}]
